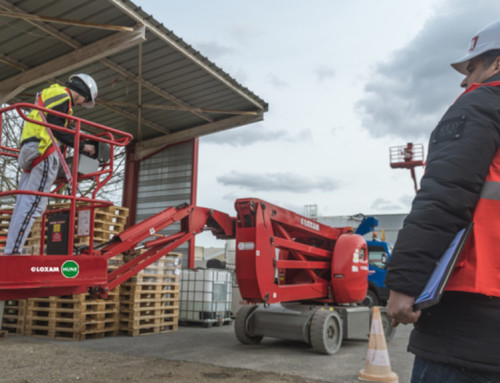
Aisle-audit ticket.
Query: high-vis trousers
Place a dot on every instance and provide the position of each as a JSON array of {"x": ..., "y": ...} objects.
[{"x": 29, "y": 207}]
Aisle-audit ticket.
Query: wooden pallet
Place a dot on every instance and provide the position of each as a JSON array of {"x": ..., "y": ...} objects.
[
  {"x": 114, "y": 263},
  {"x": 149, "y": 308},
  {"x": 166, "y": 270},
  {"x": 14, "y": 316},
  {"x": 133, "y": 291},
  {"x": 148, "y": 318},
  {"x": 150, "y": 278},
  {"x": 61, "y": 332},
  {"x": 109, "y": 221},
  {"x": 140, "y": 308},
  {"x": 152, "y": 325},
  {"x": 73, "y": 317},
  {"x": 4, "y": 225}
]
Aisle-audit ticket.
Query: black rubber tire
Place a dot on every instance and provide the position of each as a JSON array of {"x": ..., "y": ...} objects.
[
  {"x": 326, "y": 332},
  {"x": 240, "y": 326},
  {"x": 216, "y": 264},
  {"x": 371, "y": 299}
]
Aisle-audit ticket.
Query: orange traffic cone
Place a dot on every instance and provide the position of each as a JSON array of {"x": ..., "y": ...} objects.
[{"x": 378, "y": 366}]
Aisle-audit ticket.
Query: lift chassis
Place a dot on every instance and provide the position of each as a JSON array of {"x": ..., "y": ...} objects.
[{"x": 303, "y": 280}]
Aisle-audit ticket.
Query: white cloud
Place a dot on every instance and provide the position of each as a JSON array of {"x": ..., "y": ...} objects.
[
  {"x": 324, "y": 73},
  {"x": 382, "y": 204},
  {"x": 254, "y": 134},
  {"x": 285, "y": 182},
  {"x": 276, "y": 81},
  {"x": 408, "y": 93},
  {"x": 330, "y": 74}
]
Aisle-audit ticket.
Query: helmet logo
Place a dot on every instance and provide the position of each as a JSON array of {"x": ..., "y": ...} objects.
[{"x": 473, "y": 43}]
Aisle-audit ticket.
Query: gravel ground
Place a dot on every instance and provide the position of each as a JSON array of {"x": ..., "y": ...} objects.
[
  {"x": 191, "y": 354},
  {"x": 25, "y": 361}
]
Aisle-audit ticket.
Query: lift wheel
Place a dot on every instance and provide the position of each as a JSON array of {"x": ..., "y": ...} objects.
[
  {"x": 326, "y": 332},
  {"x": 241, "y": 326}
]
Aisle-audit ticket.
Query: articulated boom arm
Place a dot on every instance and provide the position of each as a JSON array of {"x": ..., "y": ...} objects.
[
  {"x": 282, "y": 256},
  {"x": 193, "y": 220},
  {"x": 46, "y": 275}
]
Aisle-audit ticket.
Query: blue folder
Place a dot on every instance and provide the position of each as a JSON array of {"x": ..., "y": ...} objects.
[{"x": 436, "y": 284}]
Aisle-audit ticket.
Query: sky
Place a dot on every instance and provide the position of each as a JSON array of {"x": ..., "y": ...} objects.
[{"x": 344, "y": 80}]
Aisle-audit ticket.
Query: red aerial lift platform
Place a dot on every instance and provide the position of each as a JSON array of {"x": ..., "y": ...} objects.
[
  {"x": 307, "y": 277},
  {"x": 407, "y": 157}
]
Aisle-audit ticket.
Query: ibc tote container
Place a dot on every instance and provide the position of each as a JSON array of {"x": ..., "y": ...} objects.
[{"x": 205, "y": 296}]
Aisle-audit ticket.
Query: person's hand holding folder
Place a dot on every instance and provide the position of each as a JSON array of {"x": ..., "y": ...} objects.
[
  {"x": 405, "y": 309},
  {"x": 400, "y": 309}
]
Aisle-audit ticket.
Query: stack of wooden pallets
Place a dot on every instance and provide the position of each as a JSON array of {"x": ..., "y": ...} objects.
[
  {"x": 72, "y": 317},
  {"x": 109, "y": 220},
  {"x": 146, "y": 304},
  {"x": 149, "y": 302},
  {"x": 14, "y": 316},
  {"x": 4, "y": 226},
  {"x": 33, "y": 243}
]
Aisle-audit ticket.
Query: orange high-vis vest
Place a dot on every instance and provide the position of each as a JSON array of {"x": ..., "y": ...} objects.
[{"x": 478, "y": 269}]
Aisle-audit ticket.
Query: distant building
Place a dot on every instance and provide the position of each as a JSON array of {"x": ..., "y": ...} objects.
[{"x": 390, "y": 223}]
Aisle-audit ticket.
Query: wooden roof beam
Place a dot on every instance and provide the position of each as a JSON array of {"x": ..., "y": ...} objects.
[
  {"x": 133, "y": 117},
  {"x": 109, "y": 63},
  {"x": 178, "y": 108},
  {"x": 80, "y": 57},
  {"x": 57, "y": 20},
  {"x": 153, "y": 88},
  {"x": 13, "y": 63}
]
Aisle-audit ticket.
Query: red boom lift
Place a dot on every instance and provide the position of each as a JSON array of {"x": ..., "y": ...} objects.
[
  {"x": 407, "y": 157},
  {"x": 304, "y": 278}
]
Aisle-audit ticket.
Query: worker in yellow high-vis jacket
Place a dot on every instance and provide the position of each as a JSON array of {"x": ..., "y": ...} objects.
[{"x": 38, "y": 158}]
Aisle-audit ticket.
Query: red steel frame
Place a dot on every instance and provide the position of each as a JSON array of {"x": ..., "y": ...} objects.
[
  {"x": 10, "y": 266},
  {"x": 106, "y": 135},
  {"x": 283, "y": 256},
  {"x": 32, "y": 276}
]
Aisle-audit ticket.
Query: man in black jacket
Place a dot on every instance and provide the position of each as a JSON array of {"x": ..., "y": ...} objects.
[{"x": 458, "y": 340}]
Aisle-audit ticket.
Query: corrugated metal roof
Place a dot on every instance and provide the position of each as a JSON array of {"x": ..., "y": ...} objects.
[{"x": 183, "y": 95}]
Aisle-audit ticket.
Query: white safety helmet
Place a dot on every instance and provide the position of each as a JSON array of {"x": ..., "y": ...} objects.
[
  {"x": 86, "y": 86},
  {"x": 485, "y": 40}
]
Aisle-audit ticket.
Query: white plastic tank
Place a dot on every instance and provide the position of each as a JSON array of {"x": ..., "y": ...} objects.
[{"x": 206, "y": 296}]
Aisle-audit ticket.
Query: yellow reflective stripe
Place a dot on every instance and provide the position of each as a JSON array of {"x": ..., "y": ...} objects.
[
  {"x": 491, "y": 190},
  {"x": 49, "y": 101},
  {"x": 52, "y": 96}
]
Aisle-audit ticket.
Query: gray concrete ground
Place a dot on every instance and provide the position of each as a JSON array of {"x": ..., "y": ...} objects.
[{"x": 219, "y": 346}]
